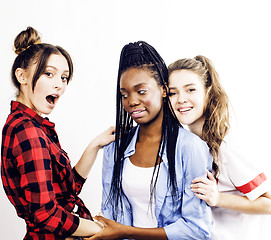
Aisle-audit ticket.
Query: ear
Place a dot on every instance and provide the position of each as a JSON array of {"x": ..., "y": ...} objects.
[
  {"x": 165, "y": 90},
  {"x": 21, "y": 76}
]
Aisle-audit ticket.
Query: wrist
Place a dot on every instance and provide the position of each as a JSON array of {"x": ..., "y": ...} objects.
[
  {"x": 220, "y": 200},
  {"x": 128, "y": 232},
  {"x": 94, "y": 145}
]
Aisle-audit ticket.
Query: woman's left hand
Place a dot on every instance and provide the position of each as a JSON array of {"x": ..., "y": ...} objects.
[
  {"x": 105, "y": 138},
  {"x": 112, "y": 230},
  {"x": 206, "y": 189}
]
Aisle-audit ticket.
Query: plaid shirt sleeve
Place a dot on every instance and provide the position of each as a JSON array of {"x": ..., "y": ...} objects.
[
  {"x": 79, "y": 181},
  {"x": 35, "y": 166}
]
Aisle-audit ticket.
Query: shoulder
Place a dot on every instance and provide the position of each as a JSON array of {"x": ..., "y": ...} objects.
[
  {"x": 130, "y": 137},
  {"x": 234, "y": 149},
  {"x": 109, "y": 149},
  {"x": 22, "y": 126},
  {"x": 188, "y": 139},
  {"x": 193, "y": 151}
]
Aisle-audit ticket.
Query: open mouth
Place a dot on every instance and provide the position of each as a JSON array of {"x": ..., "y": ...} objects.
[{"x": 51, "y": 99}]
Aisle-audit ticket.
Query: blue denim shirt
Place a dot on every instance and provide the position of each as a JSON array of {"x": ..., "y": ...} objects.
[{"x": 191, "y": 219}]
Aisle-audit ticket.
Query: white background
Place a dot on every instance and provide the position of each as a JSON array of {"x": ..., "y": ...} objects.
[{"x": 235, "y": 35}]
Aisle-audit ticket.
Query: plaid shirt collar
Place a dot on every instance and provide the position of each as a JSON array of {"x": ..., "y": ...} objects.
[{"x": 17, "y": 106}]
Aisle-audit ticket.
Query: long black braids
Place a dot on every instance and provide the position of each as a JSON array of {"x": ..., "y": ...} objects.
[{"x": 142, "y": 55}]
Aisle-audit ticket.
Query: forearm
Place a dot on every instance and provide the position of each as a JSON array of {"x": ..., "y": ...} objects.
[
  {"x": 145, "y": 233},
  {"x": 261, "y": 205},
  {"x": 87, "y": 159},
  {"x": 86, "y": 228}
]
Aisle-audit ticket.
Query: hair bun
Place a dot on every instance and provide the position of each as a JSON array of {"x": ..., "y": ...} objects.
[{"x": 25, "y": 39}]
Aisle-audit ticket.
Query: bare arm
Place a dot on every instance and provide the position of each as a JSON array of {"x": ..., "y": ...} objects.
[
  {"x": 261, "y": 205},
  {"x": 87, "y": 228},
  {"x": 113, "y": 230},
  {"x": 206, "y": 189},
  {"x": 88, "y": 158}
]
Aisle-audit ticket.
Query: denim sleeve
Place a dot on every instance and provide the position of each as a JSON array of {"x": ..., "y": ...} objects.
[
  {"x": 195, "y": 221},
  {"x": 107, "y": 171}
]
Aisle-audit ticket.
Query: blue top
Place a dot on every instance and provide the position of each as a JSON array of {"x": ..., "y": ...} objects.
[{"x": 191, "y": 218}]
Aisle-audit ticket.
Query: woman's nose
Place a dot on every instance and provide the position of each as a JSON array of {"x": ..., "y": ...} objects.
[
  {"x": 182, "y": 99},
  {"x": 133, "y": 102},
  {"x": 59, "y": 83}
]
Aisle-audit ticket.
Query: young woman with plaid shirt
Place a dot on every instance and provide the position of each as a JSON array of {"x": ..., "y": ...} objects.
[{"x": 36, "y": 172}]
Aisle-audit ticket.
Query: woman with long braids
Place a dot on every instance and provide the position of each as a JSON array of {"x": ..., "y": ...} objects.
[
  {"x": 237, "y": 190},
  {"x": 148, "y": 170}
]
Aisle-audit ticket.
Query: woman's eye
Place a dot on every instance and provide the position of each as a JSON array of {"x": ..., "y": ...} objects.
[
  {"x": 123, "y": 95},
  {"x": 191, "y": 90},
  {"x": 172, "y": 94},
  {"x": 142, "y": 91},
  {"x": 64, "y": 79},
  {"x": 48, "y": 74}
]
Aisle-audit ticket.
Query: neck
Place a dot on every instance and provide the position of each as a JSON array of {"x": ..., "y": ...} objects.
[
  {"x": 151, "y": 131},
  {"x": 22, "y": 99},
  {"x": 196, "y": 127}
]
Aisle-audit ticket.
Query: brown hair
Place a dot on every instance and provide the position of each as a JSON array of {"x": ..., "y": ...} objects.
[
  {"x": 30, "y": 50},
  {"x": 216, "y": 112}
]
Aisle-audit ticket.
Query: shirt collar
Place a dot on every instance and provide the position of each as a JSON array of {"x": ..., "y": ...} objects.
[
  {"x": 130, "y": 150},
  {"x": 17, "y": 106}
]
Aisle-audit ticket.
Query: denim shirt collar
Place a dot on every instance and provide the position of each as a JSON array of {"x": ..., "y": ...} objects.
[{"x": 130, "y": 150}]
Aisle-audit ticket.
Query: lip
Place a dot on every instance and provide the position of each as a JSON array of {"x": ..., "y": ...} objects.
[
  {"x": 55, "y": 96},
  {"x": 184, "y": 109},
  {"x": 137, "y": 113}
]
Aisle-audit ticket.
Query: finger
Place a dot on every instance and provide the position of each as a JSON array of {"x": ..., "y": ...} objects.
[
  {"x": 198, "y": 185},
  {"x": 112, "y": 138},
  {"x": 210, "y": 176},
  {"x": 111, "y": 129},
  {"x": 90, "y": 238},
  {"x": 203, "y": 180},
  {"x": 201, "y": 196},
  {"x": 100, "y": 214},
  {"x": 198, "y": 179},
  {"x": 203, "y": 191},
  {"x": 101, "y": 219}
]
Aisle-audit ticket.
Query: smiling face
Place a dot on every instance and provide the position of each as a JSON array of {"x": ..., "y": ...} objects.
[
  {"x": 188, "y": 97},
  {"x": 49, "y": 87},
  {"x": 142, "y": 97}
]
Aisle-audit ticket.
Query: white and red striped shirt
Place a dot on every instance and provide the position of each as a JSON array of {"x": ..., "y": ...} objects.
[{"x": 240, "y": 175}]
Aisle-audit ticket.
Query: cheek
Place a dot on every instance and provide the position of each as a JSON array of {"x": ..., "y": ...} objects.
[
  {"x": 64, "y": 88},
  {"x": 153, "y": 100},
  {"x": 173, "y": 100},
  {"x": 124, "y": 104}
]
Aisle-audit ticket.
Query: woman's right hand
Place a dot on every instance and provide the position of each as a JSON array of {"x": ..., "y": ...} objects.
[{"x": 206, "y": 189}]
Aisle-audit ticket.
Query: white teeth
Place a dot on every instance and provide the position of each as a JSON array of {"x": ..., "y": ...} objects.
[
  {"x": 135, "y": 112},
  {"x": 185, "y": 109}
]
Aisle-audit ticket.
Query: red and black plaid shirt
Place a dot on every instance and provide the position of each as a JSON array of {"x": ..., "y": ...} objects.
[{"x": 37, "y": 176}]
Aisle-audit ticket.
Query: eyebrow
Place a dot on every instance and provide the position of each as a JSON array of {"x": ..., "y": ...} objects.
[
  {"x": 136, "y": 86},
  {"x": 56, "y": 68},
  {"x": 189, "y": 84},
  {"x": 186, "y": 85}
]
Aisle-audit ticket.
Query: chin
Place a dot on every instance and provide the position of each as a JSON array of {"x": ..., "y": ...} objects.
[
  {"x": 185, "y": 122},
  {"x": 46, "y": 111}
]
